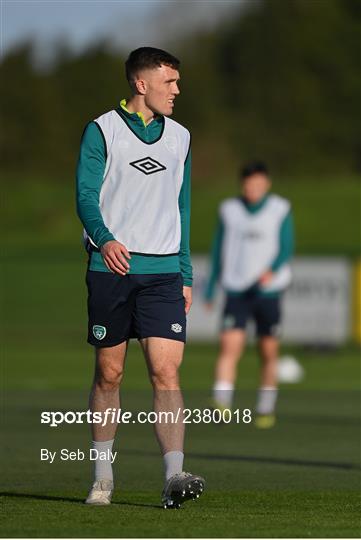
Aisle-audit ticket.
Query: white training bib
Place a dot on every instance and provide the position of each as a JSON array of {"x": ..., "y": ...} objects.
[
  {"x": 142, "y": 181},
  {"x": 251, "y": 243}
]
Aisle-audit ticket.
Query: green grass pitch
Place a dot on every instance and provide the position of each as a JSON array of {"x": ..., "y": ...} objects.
[{"x": 300, "y": 479}]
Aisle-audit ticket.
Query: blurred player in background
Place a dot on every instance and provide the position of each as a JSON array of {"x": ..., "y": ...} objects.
[{"x": 251, "y": 251}]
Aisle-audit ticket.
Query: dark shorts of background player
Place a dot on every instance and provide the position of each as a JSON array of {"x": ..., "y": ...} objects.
[
  {"x": 264, "y": 310},
  {"x": 134, "y": 306}
]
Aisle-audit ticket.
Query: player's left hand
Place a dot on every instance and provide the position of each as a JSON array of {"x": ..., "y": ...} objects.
[
  {"x": 266, "y": 278},
  {"x": 187, "y": 293}
]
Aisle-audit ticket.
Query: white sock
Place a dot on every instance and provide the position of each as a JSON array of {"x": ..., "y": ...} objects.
[
  {"x": 103, "y": 467},
  {"x": 223, "y": 393},
  {"x": 266, "y": 399},
  {"x": 173, "y": 463}
]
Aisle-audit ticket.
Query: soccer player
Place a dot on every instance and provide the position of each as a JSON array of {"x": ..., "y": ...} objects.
[
  {"x": 133, "y": 198},
  {"x": 252, "y": 247}
]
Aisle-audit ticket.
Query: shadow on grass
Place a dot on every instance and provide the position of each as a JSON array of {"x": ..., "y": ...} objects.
[
  {"x": 257, "y": 459},
  {"x": 70, "y": 499}
]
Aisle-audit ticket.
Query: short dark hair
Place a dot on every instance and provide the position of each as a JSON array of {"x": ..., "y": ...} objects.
[
  {"x": 253, "y": 167},
  {"x": 148, "y": 58}
]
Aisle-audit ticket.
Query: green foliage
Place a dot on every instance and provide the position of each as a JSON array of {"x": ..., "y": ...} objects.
[
  {"x": 280, "y": 81},
  {"x": 291, "y": 87},
  {"x": 44, "y": 113}
]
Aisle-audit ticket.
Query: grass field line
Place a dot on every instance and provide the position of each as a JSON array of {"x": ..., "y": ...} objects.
[{"x": 255, "y": 459}]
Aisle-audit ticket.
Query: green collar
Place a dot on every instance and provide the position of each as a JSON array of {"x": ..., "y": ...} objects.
[
  {"x": 255, "y": 207},
  {"x": 149, "y": 134},
  {"x": 137, "y": 116}
]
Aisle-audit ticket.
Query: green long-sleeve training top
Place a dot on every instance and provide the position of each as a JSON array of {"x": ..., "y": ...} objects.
[
  {"x": 90, "y": 175},
  {"x": 286, "y": 249}
]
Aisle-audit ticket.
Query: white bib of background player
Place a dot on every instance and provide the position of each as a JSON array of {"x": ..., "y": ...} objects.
[
  {"x": 251, "y": 244},
  {"x": 141, "y": 186}
]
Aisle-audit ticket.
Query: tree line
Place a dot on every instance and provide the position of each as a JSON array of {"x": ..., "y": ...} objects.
[{"x": 279, "y": 82}]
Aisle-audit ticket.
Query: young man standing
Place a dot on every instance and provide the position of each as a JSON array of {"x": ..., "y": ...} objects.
[
  {"x": 251, "y": 251},
  {"x": 133, "y": 198}
]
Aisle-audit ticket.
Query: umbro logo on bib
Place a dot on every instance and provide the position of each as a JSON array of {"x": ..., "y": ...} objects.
[{"x": 148, "y": 165}]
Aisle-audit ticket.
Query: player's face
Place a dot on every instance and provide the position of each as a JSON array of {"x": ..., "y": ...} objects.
[
  {"x": 161, "y": 89},
  {"x": 255, "y": 187}
]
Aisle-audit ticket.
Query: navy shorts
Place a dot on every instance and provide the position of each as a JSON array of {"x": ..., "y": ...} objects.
[
  {"x": 265, "y": 311},
  {"x": 134, "y": 306}
]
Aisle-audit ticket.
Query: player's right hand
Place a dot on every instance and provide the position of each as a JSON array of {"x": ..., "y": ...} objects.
[
  {"x": 115, "y": 256},
  {"x": 208, "y": 306}
]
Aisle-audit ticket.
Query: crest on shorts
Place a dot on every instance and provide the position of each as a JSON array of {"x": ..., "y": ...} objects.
[
  {"x": 229, "y": 322},
  {"x": 176, "y": 328},
  {"x": 99, "y": 332}
]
